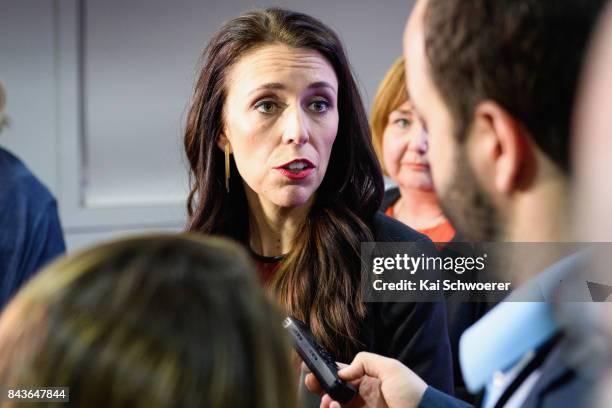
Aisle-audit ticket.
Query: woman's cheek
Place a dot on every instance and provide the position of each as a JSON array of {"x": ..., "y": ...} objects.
[
  {"x": 324, "y": 143},
  {"x": 249, "y": 166},
  {"x": 392, "y": 154}
]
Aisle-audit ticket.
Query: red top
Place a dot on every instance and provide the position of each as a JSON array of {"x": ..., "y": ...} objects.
[
  {"x": 443, "y": 232},
  {"x": 266, "y": 270}
]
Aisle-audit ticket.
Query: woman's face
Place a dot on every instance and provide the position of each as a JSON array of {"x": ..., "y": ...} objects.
[
  {"x": 281, "y": 120},
  {"x": 404, "y": 147}
]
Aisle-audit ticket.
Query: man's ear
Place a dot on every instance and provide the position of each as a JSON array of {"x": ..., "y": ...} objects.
[
  {"x": 222, "y": 140},
  {"x": 504, "y": 143}
]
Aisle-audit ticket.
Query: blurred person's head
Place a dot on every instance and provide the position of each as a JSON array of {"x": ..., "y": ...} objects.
[
  {"x": 3, "y": 118},
  {"x": 592, "y": 140},
  {"x": 276, "y": 94},
  {"x": 399, "y": 140},
  {"x": 592, "y": 144},
  {"x": 493, "y": 84},
  {"x": 158, "y": 321}
]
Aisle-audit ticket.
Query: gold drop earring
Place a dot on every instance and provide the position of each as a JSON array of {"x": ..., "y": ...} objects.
[{"x": 227, "y": 166}]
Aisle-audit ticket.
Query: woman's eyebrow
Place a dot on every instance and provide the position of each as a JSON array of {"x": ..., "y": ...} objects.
[
  {"x": 402, "y": 111},
  {"x": 268, "y": 86},
  {"x": 321, "y": 84},
  {"x": 278, "y": 86}
]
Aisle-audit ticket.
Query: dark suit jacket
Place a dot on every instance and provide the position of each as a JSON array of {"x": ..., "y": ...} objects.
[
  {"x": 559, "y": 386},
  {"x": 414, "y": 333},
  {"x": 459, "y": 317}
]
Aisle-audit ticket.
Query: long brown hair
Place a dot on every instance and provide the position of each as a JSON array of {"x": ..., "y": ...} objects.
[
  {"x": 154, "y": 321},
  {"x": 319, "y": 280}
]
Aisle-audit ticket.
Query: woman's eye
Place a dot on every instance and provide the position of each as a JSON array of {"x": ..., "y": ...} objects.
[
  {"x": 266, "y": 107},
  {"x": 403, "y": 123},
  {"x": 319, "y": 106}
]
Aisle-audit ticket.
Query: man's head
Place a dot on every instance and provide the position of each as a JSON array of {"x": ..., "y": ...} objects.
[{"x": 493, "y": 82}]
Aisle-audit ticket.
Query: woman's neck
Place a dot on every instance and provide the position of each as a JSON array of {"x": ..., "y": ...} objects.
[
  {"x": 272, "y": 228},
  {"x": 418, "y": 208}
]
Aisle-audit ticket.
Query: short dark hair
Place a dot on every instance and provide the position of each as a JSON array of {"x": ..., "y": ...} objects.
[{"x": 524, "y": 54}]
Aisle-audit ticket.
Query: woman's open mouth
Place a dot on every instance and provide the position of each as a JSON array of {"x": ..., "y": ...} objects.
[{"x": 296, "y": 169}]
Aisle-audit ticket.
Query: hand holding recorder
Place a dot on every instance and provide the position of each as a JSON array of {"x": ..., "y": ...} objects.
[{"x": 380, "y": 381}]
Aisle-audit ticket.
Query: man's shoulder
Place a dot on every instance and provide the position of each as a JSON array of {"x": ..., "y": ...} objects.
[
  {"x": 18, "y": 182},
  {"x": 387, "y": 229}
]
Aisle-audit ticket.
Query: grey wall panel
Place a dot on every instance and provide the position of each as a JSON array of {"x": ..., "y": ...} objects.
[
  {"x": 97, "y": 94},
  {"x": 139, "y": 62},
  {"x": 27, "y": 70}
]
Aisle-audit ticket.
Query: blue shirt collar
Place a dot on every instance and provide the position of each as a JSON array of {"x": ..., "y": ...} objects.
[{"x": 512, "y": 328}]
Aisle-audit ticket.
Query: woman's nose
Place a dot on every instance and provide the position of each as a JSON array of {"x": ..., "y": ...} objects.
[
  {"x": 295, "y": 127},
  {"x": 419, "y": 141}
]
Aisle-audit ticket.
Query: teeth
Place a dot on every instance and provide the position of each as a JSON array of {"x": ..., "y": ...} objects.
[{"x": 297, "y": 166}]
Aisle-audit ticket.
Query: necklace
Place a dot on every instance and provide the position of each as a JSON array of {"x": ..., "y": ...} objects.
[{"x": 266, "y": 259}]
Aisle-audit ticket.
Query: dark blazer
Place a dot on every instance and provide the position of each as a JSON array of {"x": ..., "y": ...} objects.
[
  {"x": 390, "y": 197},
  {"x": 559, "y": 386},
  {"x": 414, "y": 333},
  {"x": 459, "y": 317},
  {"x": 437, "y": 399}
]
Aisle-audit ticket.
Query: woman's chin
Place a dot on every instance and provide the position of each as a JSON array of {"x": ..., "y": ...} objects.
[
  {"x": 292, "y": 202},
  {"x": 294, "y": 196},
  {"x": 419, "y": 189},
  {"x": 421, "y": 184}
]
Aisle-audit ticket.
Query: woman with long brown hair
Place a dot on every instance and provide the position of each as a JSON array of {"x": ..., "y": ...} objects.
[{"x": 281, "y": 160}]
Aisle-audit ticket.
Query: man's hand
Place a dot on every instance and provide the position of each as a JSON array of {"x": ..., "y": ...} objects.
[
  {"x": 368, "y": 391},
  {"x": 381, "y": 382}
]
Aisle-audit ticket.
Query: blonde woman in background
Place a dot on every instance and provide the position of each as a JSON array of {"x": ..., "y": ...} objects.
[
  {"x": 401, "y": 146},
  {"x": 157, "y": 321}
]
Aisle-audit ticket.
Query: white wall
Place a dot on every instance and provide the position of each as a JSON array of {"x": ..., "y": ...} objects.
[{"x": 97, "y": 92}]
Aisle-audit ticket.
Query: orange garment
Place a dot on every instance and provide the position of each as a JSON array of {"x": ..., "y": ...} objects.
[{"x": 443, "y": 232}]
